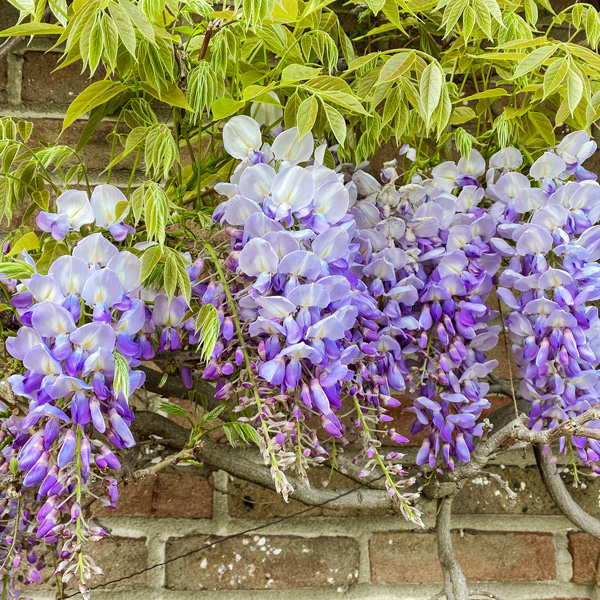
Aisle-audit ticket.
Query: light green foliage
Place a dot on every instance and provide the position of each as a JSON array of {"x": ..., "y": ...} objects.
[
  {"x": 433, "y": 74},
  {"x": 207, "y": 323},
  {"x": 121, "y": 380}
]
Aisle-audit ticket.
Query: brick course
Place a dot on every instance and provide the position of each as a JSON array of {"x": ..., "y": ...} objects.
[
  {"x": 262, "y": 562},
  {"x": 406, "y": 557},
  {"x": 585, "y": 551}
]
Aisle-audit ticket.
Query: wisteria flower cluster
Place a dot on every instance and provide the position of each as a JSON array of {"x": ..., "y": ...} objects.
[
  {"x": 337, "y": 297},
  {"x": 307, "y": 326},
  {"x": 85, "y": 327}
]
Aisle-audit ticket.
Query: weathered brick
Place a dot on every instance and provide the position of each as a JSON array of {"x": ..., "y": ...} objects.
[
  {"x": 262, "y": 562},
  {"x": 8, "y": 15},
  {"x": 407, "y": 557},
  {"x": 174, "y": 495},
  {"x": 118, "y": 557},
  {"x": 42, "y": 83},
  {"x": 585, "y": 551},
  {"x": 247, "y": 500},
  {"x": 483, "y": 495}
]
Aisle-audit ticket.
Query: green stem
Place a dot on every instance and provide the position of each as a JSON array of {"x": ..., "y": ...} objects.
[
  {"x": 380, "y": 460},
  {"x": 133, "y": 171},
  {"x": 113, "y": 147}
]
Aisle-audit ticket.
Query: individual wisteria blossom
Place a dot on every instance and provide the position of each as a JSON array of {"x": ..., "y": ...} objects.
[
  {"x": 333, "y": 300},
  {"x": 74, "y": 210}
]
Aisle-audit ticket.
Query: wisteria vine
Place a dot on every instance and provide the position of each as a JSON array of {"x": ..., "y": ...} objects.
[{"x": 324, "y": 297}]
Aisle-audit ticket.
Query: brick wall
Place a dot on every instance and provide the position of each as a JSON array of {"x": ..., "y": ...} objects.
[{"x": 518, "y": 549}]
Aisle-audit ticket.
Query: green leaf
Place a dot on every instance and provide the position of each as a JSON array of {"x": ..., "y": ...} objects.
[
  {"x": 16, "y": 270},
  {"x": 96, "y": 94},
  {"x": 207, "y": 322},
  {"x": 124, "y": 26},
  {"x": 396, "y": 66},
  {"x": 121, "y": 378},
  {"x": 543, "y": 126},
  {"x": 170, "y": 275},
  {"x": 452, "y": 14},
  {"x": 431, "y": 84},
  {"x": 24, "y": 128},
  {"x": 110, "y": 40},
  {"x": 295, "y": 72},
  {"x": 468, "y": 24},
  {"x": 534, "y": 59},
  {"x": 242, "y": 431},
  {"x": 172, "y": 409},
  {"x": 27, "y": 242},
  {"x": 41, "y": 198},
  {"x": 531, "y": 11},
  {"x": 170, "y": 94},
  {"x": 32, "y": 29},
  {"x": 493, "y": 93},
  {"x": 139, "y": 19},
  {"x": 483, "y": 17},
  {"x": 290, "y": 112},
  {"x": 94, "y": 41},
  {"x": 224, "y": 107},
  {"x": 256, "y": 91},
  {"x": 183, "y": 279},
  {"x": 589, "y": 57},
  {"x": 337, "y": 91},
  {"x": 360, "y": 61},
  {"x": 307, "y": 114},
  {"x": 336, "y": 122},
  {"x": 212, "y": 415},
  {"x": 555, "y": 75},
  {"x": 574, "y": 90},
  {"x": 150, "y": 258},
  {"x": 52, "y": 251}
]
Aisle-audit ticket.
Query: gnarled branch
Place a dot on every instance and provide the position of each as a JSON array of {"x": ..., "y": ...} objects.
[
  {"x": 239, "y": 464},
  {"x": 455, "y": 582},
  {"x": 563, "y": 500}
]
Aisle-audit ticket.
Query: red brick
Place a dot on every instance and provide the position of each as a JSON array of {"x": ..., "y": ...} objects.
[
  {"x": 585, "y": 550},
  {"x": 409, "y": 557},
  {"x": 41, "y": 83},
  {"x": 262, "y": 562},
  {"x": 175, "y": 495}
]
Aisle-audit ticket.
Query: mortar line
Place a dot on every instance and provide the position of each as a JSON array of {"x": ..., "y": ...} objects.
[
  {"x": 364, "y": 565},
  {"x": 156, "y": 549},
  {"x": 220, "y": 518},
  {"x": 14, "y": 79},
  {"x": 564, "y": 561}
]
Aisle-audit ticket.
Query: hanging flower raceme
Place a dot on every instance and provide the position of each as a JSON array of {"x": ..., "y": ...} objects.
[
  {"x": 425, "y": 255},
  {"x": 308, "y": 334},
  {"x": 77, "y": 345},
  {"x": 550, "y": 239}
]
